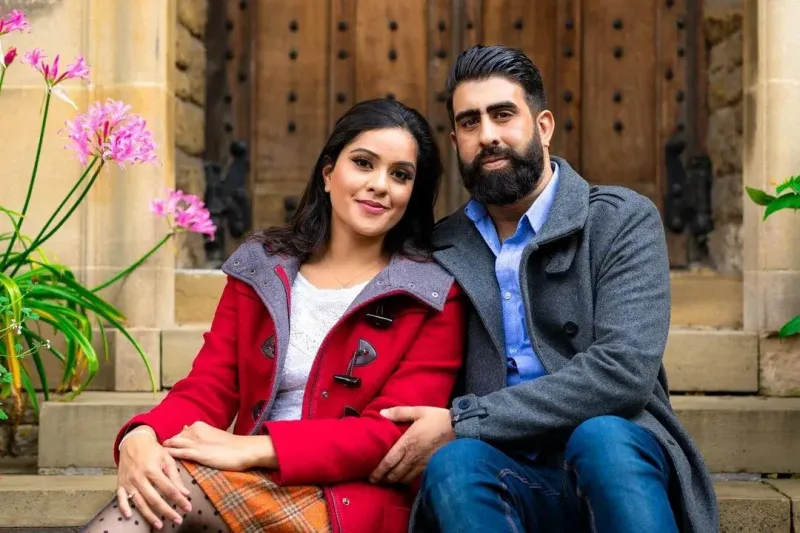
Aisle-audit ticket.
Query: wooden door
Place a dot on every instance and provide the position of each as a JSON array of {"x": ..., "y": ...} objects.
[{"x": 613, "y": 72}]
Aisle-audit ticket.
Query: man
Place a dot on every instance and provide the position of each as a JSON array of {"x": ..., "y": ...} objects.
[{"x": 564, "y": 422}]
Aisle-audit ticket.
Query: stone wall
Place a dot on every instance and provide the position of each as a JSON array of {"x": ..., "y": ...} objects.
[
  {"x": 190, "y": 99},
  {"x": 723, "y": 30}
]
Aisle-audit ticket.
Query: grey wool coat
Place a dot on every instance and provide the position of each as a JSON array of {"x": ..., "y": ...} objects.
[{"x": 595, "y": 282}]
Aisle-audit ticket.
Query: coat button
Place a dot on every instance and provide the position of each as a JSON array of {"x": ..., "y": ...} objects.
[
  {"x": 571, "y": 329},
  {"x": 345, "y": 501},
  {"x": 268, "y": 347},
  {"x": 324, "y": 394},
  {"x": 257, "y": 408},
  {"x": 463, "y": 404}
]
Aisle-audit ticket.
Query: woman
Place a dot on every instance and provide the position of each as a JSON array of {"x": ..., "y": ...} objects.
[{"x": 321, "y": 326}]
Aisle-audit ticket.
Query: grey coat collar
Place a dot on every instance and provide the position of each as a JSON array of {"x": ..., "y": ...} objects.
[
  {"x": 427, "y": 282},
  {"x": 460, "y": 248}
]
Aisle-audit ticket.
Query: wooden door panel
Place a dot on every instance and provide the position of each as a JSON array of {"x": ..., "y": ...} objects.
[
  {"x": 529, "y": 25},
  {"x": 440, "y": 56},
  {"x": 568, "y": 60},
  {"x": 341, "y": 58},
  {"x": 612, "y": 71},
  {"x": 290, "y": 100},
  {"x": 618, "y": 101},
  {"x": 390, "y": 51},
  {"x": 670, "y": 82}
]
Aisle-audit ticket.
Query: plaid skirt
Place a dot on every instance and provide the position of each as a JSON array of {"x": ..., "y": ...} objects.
[{"x": 251, "y": 501}]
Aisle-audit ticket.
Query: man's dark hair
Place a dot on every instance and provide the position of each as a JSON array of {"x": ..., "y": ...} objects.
[{"x": 482, "y": 62}]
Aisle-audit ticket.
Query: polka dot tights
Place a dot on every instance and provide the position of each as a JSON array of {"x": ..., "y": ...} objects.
[{"x": 202, "y": 519}]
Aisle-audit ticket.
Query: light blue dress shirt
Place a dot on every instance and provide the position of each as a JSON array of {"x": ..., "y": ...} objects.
[{"x": 522, "y": 363}]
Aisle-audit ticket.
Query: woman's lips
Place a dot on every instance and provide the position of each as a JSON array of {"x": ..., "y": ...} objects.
[{"x": 373, "y": 208}]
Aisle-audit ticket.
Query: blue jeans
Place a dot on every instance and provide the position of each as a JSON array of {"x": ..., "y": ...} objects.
[{"x": 614, "y": 477}]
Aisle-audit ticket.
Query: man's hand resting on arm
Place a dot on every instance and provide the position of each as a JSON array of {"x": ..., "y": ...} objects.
[{"x": 430, "y": 430}]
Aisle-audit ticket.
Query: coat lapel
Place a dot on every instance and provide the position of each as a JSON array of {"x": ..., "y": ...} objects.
[{"x": 461, "y": 250}]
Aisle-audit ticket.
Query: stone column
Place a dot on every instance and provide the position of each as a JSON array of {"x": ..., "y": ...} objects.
[
  {"x": 771, "y": 130},
  {"x": 130, "y": 48}
]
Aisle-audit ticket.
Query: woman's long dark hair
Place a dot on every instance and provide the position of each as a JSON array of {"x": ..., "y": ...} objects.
[{"x": 310, "y": 227}]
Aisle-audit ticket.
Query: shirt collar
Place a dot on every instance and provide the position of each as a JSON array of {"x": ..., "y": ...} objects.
[{"x": 536, "y": 213}]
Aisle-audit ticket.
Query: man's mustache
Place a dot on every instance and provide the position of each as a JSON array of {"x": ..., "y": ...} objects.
[{"x": 493, "y": 151}]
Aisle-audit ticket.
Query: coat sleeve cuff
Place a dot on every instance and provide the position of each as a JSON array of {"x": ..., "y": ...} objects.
[
  {"x": 294, "y": 453},
  {"x": 466, "y": 415}
]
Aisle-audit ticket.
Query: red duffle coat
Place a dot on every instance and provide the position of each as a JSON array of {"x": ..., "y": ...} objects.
[{"x": 401, "y": 342}]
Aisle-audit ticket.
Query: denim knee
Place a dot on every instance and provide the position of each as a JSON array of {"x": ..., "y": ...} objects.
[
  {"x": 601, "y": 442},
  {"x": 454, "y": 464}
]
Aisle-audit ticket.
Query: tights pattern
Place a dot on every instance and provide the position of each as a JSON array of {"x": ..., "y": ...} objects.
[{"x": 203, "y": 518}]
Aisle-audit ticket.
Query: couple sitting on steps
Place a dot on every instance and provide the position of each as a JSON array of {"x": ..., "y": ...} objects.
[{"x": 500, "y": 370}]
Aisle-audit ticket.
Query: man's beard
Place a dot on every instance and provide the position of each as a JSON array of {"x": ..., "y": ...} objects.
[{"x": 509, "y": 184}]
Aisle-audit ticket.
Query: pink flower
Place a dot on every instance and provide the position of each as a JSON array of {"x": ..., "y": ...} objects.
[
  {"x": 9, "y": 57},
  {"x": 108, "y": 131},
  {"x": 184, "y": 212},
  {"x": 50, "y": 71},
  {"x": 14, "y": 21},
  {"x": 53, "y": 76}
]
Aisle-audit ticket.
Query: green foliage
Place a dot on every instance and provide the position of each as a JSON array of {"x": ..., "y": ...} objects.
[{"x": 788, "y": 197}]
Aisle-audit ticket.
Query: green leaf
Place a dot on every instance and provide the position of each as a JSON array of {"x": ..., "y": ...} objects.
[
  {"x": 37, "y": 361},
  {"x": 10, "y": 212},
  {"x": 14, "y": 296},
  {"x": 60, "y": 356},
  {"x": 119, "y": 327},
  {"x": 758, "y": 196},
  {"x": 74, "y": 292},
  {"x": 103, "y": 338},
  {"x": 75, "y": 338},
  {"x": 787, "y": 201},
  {"x": 8, "y": 378},
  {"x": 793, "y": 182},
  {"x": 28, "y": 386},
  {"x": 790, "y": 328},
  {"x": 3, "y": 415}
]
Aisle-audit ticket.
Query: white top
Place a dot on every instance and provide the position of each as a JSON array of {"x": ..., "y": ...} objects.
[{"x": 312, "y": 315}]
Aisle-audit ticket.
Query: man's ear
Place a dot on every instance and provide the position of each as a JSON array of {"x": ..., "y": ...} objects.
[
  {"x": 546, "y": 124},
  {"x": 453, "y": 140}
]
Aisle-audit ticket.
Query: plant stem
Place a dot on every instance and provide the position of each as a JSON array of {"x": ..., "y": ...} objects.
[
  {"x": 64, "y": 201},
  {"x": 135, "y": 265},
  {"x": 38, "y": 242},
  {"x": 18, "y": 226},
  {"x": 2, "y": 77}
]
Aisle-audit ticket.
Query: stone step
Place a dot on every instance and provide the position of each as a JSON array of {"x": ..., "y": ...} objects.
[
  {"x": 52, "y": 501},
  {"x": 699, "y": 298},
  {"x": 696, "y": 360},
  {"x": 736, "y": 434},
  {"x": 65, "y": 502}
]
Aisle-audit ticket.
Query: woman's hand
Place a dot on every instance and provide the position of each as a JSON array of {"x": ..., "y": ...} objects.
[
  {"x": 145, "y": 470},
  {"x": 209, "y": 446}
]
